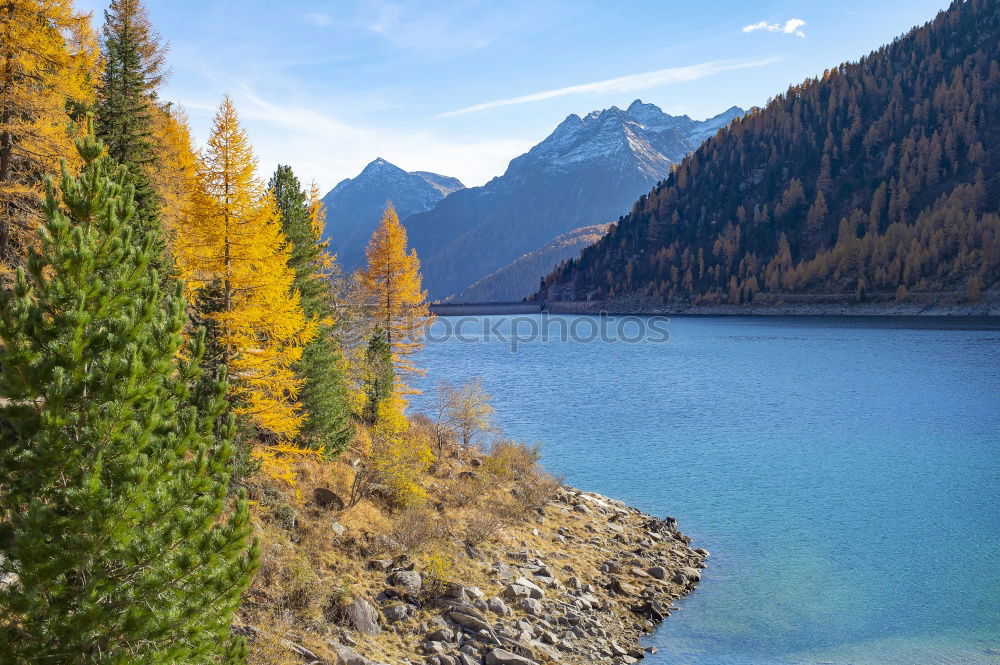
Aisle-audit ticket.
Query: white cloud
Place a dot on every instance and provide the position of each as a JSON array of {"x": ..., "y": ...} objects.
[
  {"x": 790, "y": 27},
  {"x": 319, "y": 19},
  {"x": 319, "y": 146},
  {"x": 623, "y": 84}
]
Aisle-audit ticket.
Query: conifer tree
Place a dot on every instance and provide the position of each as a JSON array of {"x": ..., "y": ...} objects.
[
  {"x": 134, "y": 66},
  {"x": 113, "y": 468},
  {"x": 380, "y": 376},
  {"x": 174, "y": 173},
  {"x": 396, "y": 300},
  {"x": 49, "y": 55},
  {"x": 324, "y": 399},
  {"x": 232, "y": 238}
]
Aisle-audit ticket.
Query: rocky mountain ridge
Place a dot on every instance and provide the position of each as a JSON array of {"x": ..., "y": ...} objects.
[
  {"x": 356, "y": 204},
  {"x": 587, "y": 171}
]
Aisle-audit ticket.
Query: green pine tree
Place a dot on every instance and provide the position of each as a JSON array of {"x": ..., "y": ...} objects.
[
  {"x": 134, "y": 66},
  {"x": 120, "y": 541},
  {"x": 321, "y": 369},
  {"x": 380, "y": 376}
]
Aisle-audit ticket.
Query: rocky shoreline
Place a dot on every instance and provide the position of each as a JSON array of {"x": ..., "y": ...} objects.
[{"x": 586, "y": 579}]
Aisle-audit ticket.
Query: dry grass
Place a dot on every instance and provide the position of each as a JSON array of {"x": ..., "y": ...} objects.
[{"x": 308, "y": 574}]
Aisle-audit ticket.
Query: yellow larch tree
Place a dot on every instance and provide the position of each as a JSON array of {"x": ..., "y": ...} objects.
[
  {"x": 232, "y": 243},
  {"x": 48, "y": 65},
  {"x": 317, "y": 220},
  {"x": 396, "y": 302},
  {"x": 174, "y": 174}
]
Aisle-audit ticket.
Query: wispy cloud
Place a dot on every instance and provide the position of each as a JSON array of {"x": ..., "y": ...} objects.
[
  {"x": 327, "y": 149},
  {"x": 622, "y": 84},
  {"x": 319, "y": 19},
  {"x": 790, "y": 27}
]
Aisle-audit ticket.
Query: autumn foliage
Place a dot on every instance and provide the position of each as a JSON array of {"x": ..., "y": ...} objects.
[
  {"x": 396, "y": 302},
  {"x": 232, "y": 237},
  {"x": 49, "y": 56}
]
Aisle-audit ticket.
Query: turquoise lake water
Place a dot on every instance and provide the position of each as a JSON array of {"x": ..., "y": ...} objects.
[{"x": 843, "y": 473}]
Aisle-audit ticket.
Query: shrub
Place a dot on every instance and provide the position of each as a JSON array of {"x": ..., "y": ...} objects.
[
  {"x": 483, "y": 524},
  {"x": 416, "y": 528},
  {"x": 511, "y": 460},
  {"x": 536, "y": 490},
  {"x": 436, "y": 567},
  {"x": 395, "y": 456}
]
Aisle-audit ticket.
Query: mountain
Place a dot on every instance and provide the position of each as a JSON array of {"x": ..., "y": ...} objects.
[
  {"x": 355, "y": 205},
  {"x": 588, "y": 171},
  {"x": 883, "y": 175},
  {"x": 520, "y": 278}
]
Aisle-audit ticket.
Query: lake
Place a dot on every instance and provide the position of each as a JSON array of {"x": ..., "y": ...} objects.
[{"x": 843, "y": 472}]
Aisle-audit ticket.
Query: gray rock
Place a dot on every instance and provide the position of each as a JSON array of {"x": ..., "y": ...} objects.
[
  {"x": 442, "y": 635},
  {"x": 658, "y": 572},
  {"x": 396, "y": 613},
  {"x": 362, "y": 616},
  {"x": 454, "y": 590},
  {"x": 434, "y": 648},
  {"x": 407, "y": 579},
  {"x": 338, "y": 529},
  {"x": 347, "y": 656},
  {"x": 687, "y": 575},
  {"x": 531, "y": 606},
  {"x": 469, "y": 621},
  {"x": 504, "y": 657},
  {"x": 516, "y": 591},
  {"x": 497, "y": 606},
  {"x": 534, "y": 590}
]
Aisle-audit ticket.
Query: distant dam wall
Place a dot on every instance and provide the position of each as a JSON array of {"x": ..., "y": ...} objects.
[
  {"x": 484, "y": 308},
  {"x": 924, "y": 304}
]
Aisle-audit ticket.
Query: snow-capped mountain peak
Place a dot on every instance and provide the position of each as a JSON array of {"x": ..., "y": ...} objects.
[{"x": 642, "y": 134}]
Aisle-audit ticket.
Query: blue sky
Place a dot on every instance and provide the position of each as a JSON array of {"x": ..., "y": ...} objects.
[{"x": 460, "y": 88}]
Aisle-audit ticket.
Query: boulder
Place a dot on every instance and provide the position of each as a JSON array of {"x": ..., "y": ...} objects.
[
  {"x": 534, "y": 590},
  {"x": 619, "y": 587},
  {"x": 442, "y": 635},
  {"x": 469, "y": 621},
  {"x": 396, "y": 613},
  {"x": 531, "y": 606},
  {"x": 455, "y": 591},
  {"x": 504, "y": 657},
  {"x": 497, "y": 606},
  {"x": 325, "y": 498},
  {"x": 362, "y": 616},
  {"x": 409, "y": 580},
  {"x": 658, "y": 572},
  {"x": 347, "y": 656},
  {"x": 687, "y": 575}
]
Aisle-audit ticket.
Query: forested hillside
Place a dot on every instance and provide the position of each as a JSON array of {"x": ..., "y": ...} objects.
[{"x": 881, "y": 175}]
